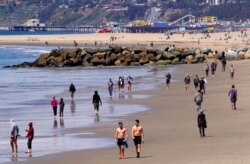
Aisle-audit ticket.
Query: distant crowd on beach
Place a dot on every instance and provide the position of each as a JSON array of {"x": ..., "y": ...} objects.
[{"x": 200, "y": 87}]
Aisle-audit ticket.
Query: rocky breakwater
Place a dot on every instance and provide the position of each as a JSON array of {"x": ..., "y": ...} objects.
[{"x": 122, "y": 56}]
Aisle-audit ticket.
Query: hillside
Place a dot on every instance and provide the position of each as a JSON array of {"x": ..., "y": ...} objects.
[{"x": 98, "y": 12}]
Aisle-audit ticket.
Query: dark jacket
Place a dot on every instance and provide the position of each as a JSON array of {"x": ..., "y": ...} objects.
[
  {"x": 201, "y": 120},
  {"x": 96, "y": 99}
]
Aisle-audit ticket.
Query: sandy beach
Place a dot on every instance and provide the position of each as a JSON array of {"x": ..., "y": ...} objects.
[
  {"x": 218, "y": 41},
  {"x": 171, "y": 132}
]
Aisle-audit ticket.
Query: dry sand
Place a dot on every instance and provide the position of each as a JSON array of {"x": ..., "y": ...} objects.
[
  {"x": 216, "y": 41},
  {"x": 171, "y": 132}
]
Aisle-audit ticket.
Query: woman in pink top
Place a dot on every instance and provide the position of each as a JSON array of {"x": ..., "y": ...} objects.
[{"x": 54, "y": 105}]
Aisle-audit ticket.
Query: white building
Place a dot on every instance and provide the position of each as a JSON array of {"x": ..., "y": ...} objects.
[
  {"x": 34, "y": 22},
  {"x": 215, "y": 2}
]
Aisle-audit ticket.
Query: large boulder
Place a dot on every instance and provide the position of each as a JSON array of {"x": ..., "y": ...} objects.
[
  {"x": 118, "y": 62},
  {"x": 158, "y": 57},
  {"x": 241, "y": 55},
  {"x": 168, "y": 55},
  {"x": 247, "y": 54},
  {"x": 135, "y": 63},
  {"x": 90, "y": 50},
  {"x": 210, "y": 55},
  {"x": 125, "y": 52},
  {"x": 75, "y": 62},
  {"x": 128, "y": 58},
  {"x": 55, "y": 53},
  {"x": 87, "y": 58},
  {"x": 100, "y": 55},
  {"x": 58, "y": 59},
  {"x": 144, "y": 60},
  {"x": 163, "y": 62},
  {"x": 175, "y": 61},
  {"x": 189, "y": 58},
  {"x": 69, "y": 52},
  {"x": 113, "y": 57},
  {"x": 86, "y": 64},
  {"x": 151, "y": 57},
  {"x": 41, "y": 63},
  {"x": 98, "y": 61},
  {"x": 44, "y": 56}
]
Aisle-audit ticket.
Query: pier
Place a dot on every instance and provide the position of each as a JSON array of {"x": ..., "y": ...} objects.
[{"x": 87, "y": 29}]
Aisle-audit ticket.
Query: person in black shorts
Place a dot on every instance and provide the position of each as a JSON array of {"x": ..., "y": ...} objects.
[
  {"x": 121, "y": 137},
  {"x": 96, "y": 102},
  {"x": 138, "y": 136}
]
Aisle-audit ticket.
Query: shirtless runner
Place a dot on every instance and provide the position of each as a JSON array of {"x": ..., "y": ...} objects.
[
  {"x": 138, "y": 136},
  {"x": 121, "y": 137}
]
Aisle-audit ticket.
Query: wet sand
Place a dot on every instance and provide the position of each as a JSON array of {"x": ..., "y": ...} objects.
[
  {"x": 171, "y": 132},
  {"x": 216, "y": 41}
]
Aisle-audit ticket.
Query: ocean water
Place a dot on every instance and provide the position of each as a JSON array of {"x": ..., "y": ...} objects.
[
  {"x": 7, "y": 32},
  {"x": 25, "y": 95}
]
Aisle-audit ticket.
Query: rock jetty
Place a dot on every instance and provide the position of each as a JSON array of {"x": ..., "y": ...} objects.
[{"x": 122, "y": 56}]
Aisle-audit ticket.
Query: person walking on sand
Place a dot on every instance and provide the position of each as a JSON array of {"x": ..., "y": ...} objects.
[
  {"x": 30, "y": 136},
  {"x": 72, "y": 90},
  {"x": 110, "y": 87},
  {"x": 96, "y": 102},
  {"x": 198, "y": 99},
  {"x": 196, "y": 82},
  {"x": 223, "y": 63},
  {"x": 207, "y": 69},
  {"x": 213, "y": 68},
  {"x": 233, "y": 97},
  {"x": 54, "y": 104},
  {"x": 121, "y": 137},
  {"x": 187, "y": 82},
  {"x": 14, "y": 133},
  {"x": 202, "y": 123},
  {"x": 129, "y": 80},
  {"x": 61, "y": 104},
  {"x": 138, "y": 137},
  {"x": 168, "y": 78},
  {"x": 202, "y": 84},
  {"x": 231, "y": 71}
]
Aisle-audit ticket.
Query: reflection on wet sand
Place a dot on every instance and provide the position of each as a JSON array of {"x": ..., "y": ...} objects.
[
  {"x": 121, "y": 95},
  {"x": 61, "y": 122},
  {"x": 130, "y": 95},
  {"x": 72, "y": 106},
  {"x": 97, "y": 118},
  {"x": 14, "y": 158},
  {"x": 55, "y": 123},
  {"x": 111, "y": 109}
]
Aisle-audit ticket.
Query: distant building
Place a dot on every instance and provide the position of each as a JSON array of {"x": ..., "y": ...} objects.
[
  {"x": 217, "y": 2},
  {"x": 34, "y": 22},
  {"x": 207, "y": 19},
  {"x": 140, "y": 22}
]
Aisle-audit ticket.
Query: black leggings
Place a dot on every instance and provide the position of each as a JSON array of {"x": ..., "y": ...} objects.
[
  {"x": 55, "y": 110},
  {"x": 202, "y": 130},
  {"x": 29, "y": 143}
]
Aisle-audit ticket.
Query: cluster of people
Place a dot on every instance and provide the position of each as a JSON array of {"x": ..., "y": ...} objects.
[
  {"x": 14, "y": 134},
  {"x": 200, "y": 87},
  {"x": 120, "y": 84},
  {"x": 121, "y": 138}
]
